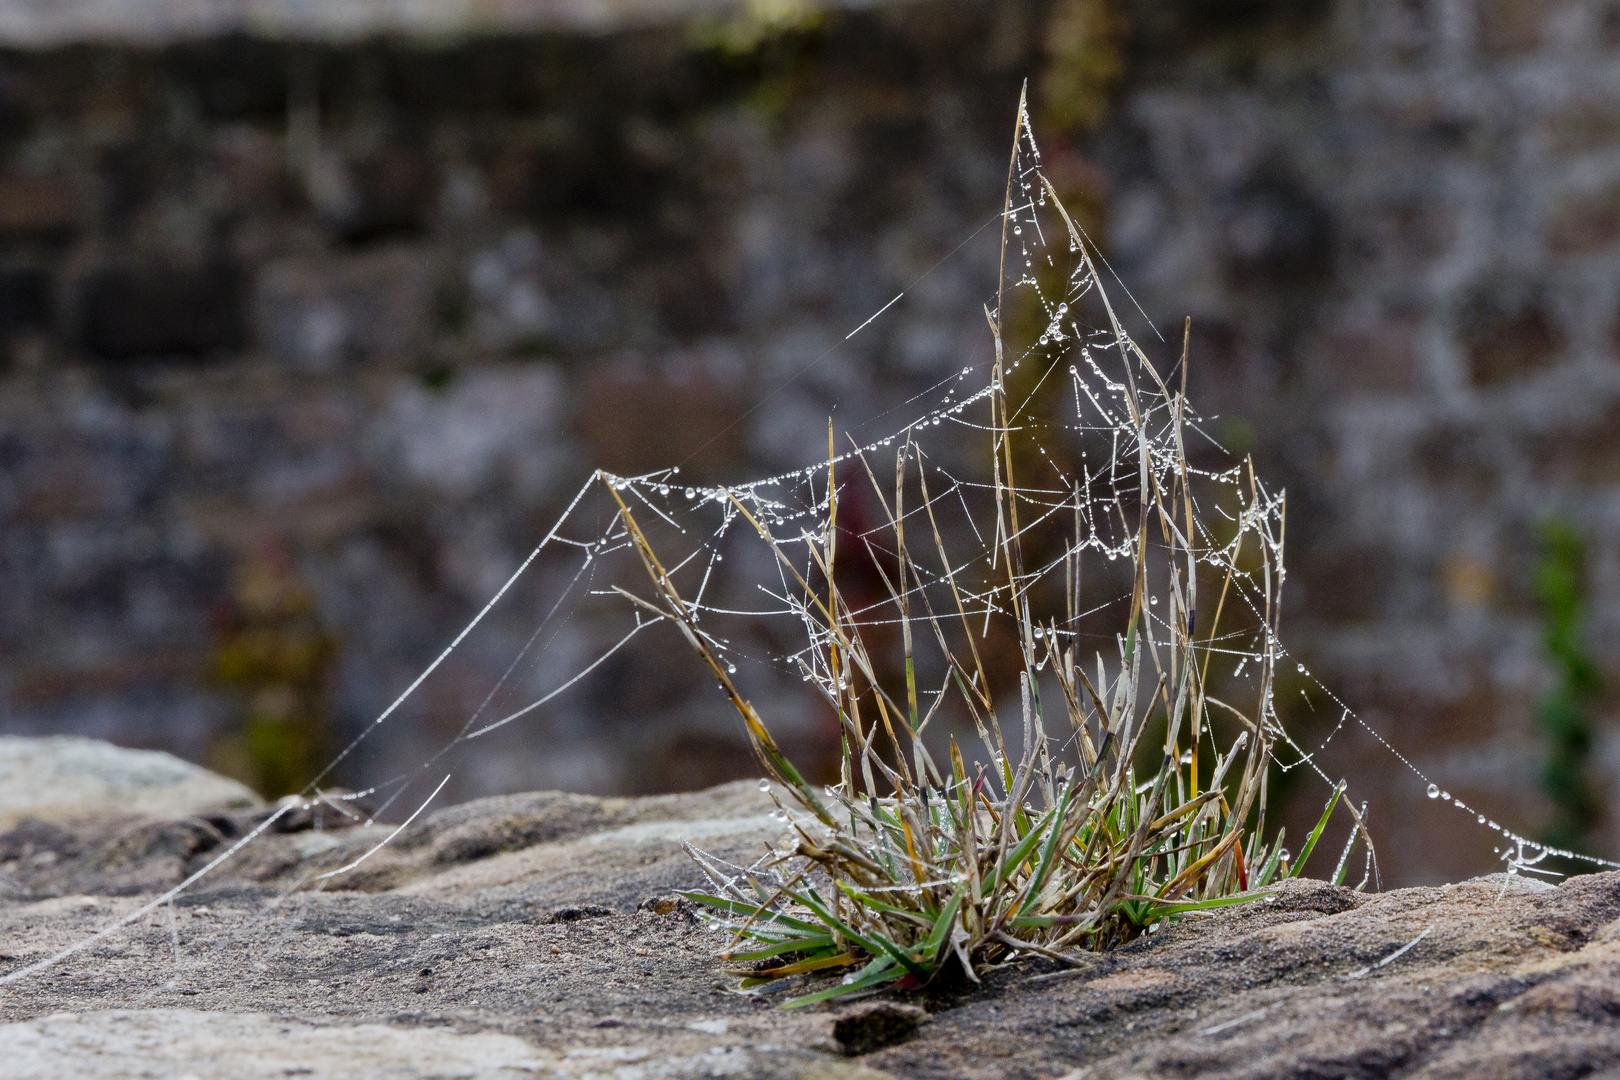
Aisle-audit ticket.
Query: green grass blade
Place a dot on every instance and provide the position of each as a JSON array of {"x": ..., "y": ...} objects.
[
  {"x": 1020, "y": 852},
  {"x": 940, "y": 934},
  {"x": 1204, "y": 905},
  {"x": 876, "y": 944},
  {"x": 1270, "y": 868},
  {"x": 878, "y": 905},
  {"x": 737, "y": 907},
  {"x": 881, "y": 970},
  {"x": 1049, "y": 849},
  {"x": 821, "y": 943},
  {"x": 1316, "y": 833}
]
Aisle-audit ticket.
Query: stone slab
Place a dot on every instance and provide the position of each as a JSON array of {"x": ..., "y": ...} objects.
[
  {"x": 29, "y": 24},
  {"x": 539, "y": 935},
  {"x": 63, "y": 777}
]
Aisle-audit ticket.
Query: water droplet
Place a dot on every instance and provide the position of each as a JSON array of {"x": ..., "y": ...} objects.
[
  {"x": 1434, "y": 791},
  {"x": 731, "y": 669},
  {"x": 691, "y": 493},
  {"x": 1018, "y": 230},
  {"x": 1153, "y": 600},
  {"x": 1301, "y": 668},
  {"x": 1445, "y": 796},
  {"x": 764, "y": 785},
  {"x": 1512, "y": 870},
  {"x": 1063, "y": 309},
  {"x": 1482, "y": 819},
  {"x": 1045, "y": 338},
  {"x": 1283, "y": 855}
]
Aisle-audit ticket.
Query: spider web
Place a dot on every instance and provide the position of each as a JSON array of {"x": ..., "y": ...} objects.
[{"x": 1069, "y": 416}]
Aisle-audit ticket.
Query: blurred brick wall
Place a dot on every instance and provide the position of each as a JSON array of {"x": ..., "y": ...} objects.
[
  {"x": 355, "y": 321},
  {"x": 377, "y": 307},
  {"x": 1396, "y": 224}
]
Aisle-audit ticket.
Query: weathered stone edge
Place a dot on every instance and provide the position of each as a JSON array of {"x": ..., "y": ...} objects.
[{"x": 38, "y": 24}]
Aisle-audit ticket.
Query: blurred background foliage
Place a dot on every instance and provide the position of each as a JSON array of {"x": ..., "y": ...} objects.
[
  {"x": 276, "y": 659},
  {"x": 1566, "y": 712}
]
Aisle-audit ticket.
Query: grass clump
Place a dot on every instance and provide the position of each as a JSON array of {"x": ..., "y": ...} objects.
[{"x": 1130, "y": 787}]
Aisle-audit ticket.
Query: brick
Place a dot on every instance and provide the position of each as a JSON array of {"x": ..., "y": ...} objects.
[
  {"x": 1375, "y": 359},
  {"x": 157, "y": 311},
  {"x": 635, "y": 423},
  {"x": 1511, "y": 27},
  {"x": 1585, "y": 453},
  {"x": 25, "y": 300},
  {"x": 1348, "y": 583},
  {"x": 1468, "y": 581},
  {"x": 314, "y": 313},
  {"x": 1406, "y": 27},
  {"x": 1507, "y": 335},
  {"x": 1401, "y": 235},
  {"x": 1459, "y": 459},
  {"x": 1584, "y": 127},
  {"x": 390, "y": 194},
  {"x": 1277, "y": 231},
  {"x": 1586, "y": 223},
  {"x": 32, "y": 206}
]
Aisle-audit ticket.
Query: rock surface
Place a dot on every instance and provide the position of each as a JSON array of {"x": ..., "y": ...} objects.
[
  {"x": 64, "y": 777},
  {"x": 539, "y": 935}
]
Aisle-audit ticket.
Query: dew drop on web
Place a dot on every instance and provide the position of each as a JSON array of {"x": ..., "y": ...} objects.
[
  {"x": 1434, "y": 791},
  {"x": 764, "y": 785}
]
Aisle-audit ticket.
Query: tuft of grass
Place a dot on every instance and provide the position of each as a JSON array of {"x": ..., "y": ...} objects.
[{"x": 1127, "y": 791}]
